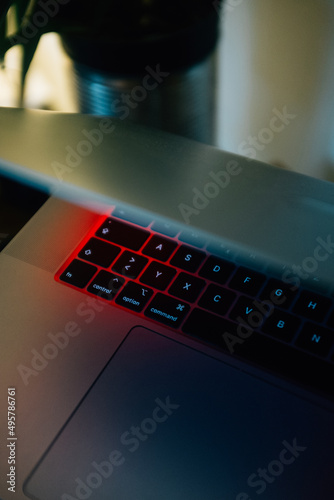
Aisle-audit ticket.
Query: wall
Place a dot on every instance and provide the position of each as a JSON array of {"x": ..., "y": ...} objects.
[{"x": 276, "y": 54}]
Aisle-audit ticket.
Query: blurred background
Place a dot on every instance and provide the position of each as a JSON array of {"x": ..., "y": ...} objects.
[{"x": 271, "y": 82}]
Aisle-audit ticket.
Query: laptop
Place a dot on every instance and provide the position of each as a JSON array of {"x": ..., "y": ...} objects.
[{"x": 167, "y": 318}]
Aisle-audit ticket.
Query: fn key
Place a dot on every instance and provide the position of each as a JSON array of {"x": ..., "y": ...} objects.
[{"x": 78, "y": 273}]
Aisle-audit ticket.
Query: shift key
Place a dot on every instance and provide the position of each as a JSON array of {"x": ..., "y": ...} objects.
[{"x": 167, "y": 310}]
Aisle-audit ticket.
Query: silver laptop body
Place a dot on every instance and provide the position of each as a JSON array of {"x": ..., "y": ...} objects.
[{"x": 98, "y": 401}]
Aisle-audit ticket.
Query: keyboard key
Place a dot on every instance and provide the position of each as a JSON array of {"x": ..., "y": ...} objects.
[
  {"x": 221, "y": 249},
  {"x": 158, "y": 275},
  {"x": 330, "y": 321},
  {"x": 99, "y": 252},
  {"x": 208, "y": 327},
  {"x": 187, "y": 258},
  {"x": 123, "y": 234},
  {"x": 279, "y": 293},
  {"x": 233, "y": 338},
  {"x": 159, "y": 248},
  {"x": 192, "y": 238},
  {"x": 253, "y": 260},
  {"x": 247, "y": 281},
  {"x": 134, "y": 296},
  {"x": 282, "y": 325},
  {"x": 78, "y": 273},
  {"x": 129, "y": 264},
  {"x": 167, "y": 310},
  {"x": 315, "y": 339},
  {"x": 106, "y": 285},
  {"x": 250, "y": 311},
  {"x": 165, "y": 228},
  {"x": 261, "y": 350},
  {"x": 129, "y": 215},
  {"x": 215, "y": 269},
  {"x": 312, "y": 306},
  {"x": 186, "y": 287},
  {"x": 217, "y": 299}
]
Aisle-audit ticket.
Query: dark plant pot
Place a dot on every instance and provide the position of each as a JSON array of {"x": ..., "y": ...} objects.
[{"x": 163, "y": 80}]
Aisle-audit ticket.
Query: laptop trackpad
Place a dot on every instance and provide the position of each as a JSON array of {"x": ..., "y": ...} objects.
[{"x": 166, "y": 422}]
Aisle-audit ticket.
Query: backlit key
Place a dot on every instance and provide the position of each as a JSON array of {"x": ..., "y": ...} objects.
[
  {"x": 247, "y": 281},
  {"x": 167, "y": 310},
  {"x": 158, "y": 275},
  {"x": 78, "y": 273},
  {"x": 134, "y": 296},
  {"x": 187, "y": 258},
  {"x": 122, "y": 234},
  {"x": 99, "y": 252},
  {"x": 312, "y": 306},
  {"x": 106, "y": 285},
  {"x": 186, "y": 287},
  {"x": 217, "y": 299},
  {"x": 130, "y": 264},
  {"x": 217, "y": 270},
  {"x": 159, "y": 248},
  {"x": 315, "y": 339}
]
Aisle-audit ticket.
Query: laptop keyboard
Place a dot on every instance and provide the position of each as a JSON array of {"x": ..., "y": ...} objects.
[{"x": 167, "y": 276}]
